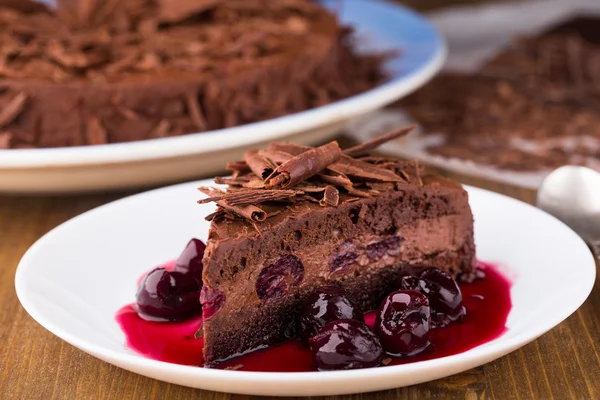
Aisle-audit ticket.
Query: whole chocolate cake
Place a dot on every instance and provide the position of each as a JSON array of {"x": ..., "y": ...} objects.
[
  {"x": 296, "y": 218},
  {"x": 103, "y": 71}
]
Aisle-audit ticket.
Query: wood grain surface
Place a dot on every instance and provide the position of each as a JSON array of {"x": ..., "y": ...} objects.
[{"x": 34, "y": 364}]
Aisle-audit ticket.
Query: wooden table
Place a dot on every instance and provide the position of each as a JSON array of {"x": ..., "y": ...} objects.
[{"x": 34, "y": 364}]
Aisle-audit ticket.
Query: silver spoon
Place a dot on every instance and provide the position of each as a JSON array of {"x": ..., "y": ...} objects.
[{"x": 572, "y": 194}]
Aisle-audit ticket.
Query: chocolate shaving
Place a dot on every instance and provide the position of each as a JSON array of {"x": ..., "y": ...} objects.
[
  {"x": 359, "y": 193},
  {"x": 304, "y": 166},
  {"x": 95, "y": 132},
  {"x": 362, "y": 170},
  {"x": 262, "y": 166},
  {"x": 380, "y": 186},
  {"x": 161, "y": 130},
  {"x": 239, "y": 181},
  {"x": 331, "y": 197},
  {"x": 418, "y": 173},
  {"x": 337, "y": 179},
  {"x": 258, "y": 196},
  {"x": 255, "y": 183},
  {"x": 289, "y": 148},
  {"x": 246, "y": 196},
  {"x": 195, "y": 111},
  {"x": 215, "y": 215},
  {"x": 237, "y": 166},
  {"x": 277, "y": 156},
  {"x": 249, "y": 212},
  {"x": 12, "y": 109},
  {"x": 5, "y": 139},
  {"x": 373, "y": 144},
  {"x": 310, "y": 188}
]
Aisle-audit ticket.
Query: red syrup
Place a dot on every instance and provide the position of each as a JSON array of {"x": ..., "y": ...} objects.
[{"x": 487, "y": 302}]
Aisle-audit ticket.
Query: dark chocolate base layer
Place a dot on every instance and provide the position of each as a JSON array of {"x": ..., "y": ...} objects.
[{"x": 276, "y": 323}]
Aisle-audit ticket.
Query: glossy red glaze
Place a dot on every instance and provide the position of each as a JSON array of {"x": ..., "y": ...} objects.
[{"x": 487, "y": 302}]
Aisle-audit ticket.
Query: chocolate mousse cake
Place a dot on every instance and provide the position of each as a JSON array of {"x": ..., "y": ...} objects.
[
  {"x": 294, "y": 218},
  {"x": 89, "y": 72}
]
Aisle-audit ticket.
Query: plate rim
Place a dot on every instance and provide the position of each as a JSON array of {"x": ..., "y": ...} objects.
[
  {"x": 212, "y": 379},
  {"x": 244, "y": 135}
]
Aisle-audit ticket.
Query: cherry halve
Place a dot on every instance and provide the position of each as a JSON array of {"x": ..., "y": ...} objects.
[
  {"x": 445, "y": 297},
  {"x": 344, "y": 258},
  {"x": 402, "y": 323},
  {"x": 190, "y": 260},
  {"x": 345, "y": 344},
  {"x": 212, "y": 300},
  {"x": 275, "y": 279},
  {"x": 168, "y": 296},
  {"x": 324, "y": 305}
]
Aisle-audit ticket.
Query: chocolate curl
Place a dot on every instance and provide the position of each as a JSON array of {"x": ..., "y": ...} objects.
[
  {"x": 258, "y": 196},
  {"x": 304, "y": 166},
  {"x": 418, "y": 173},
  {"x": 195, "y": 111},
  {"x": 290, "y": 148},
  {"x": 12, "y": 109},
  {"x": 262, "y": 166},
  {"x": 5, "y": 139},
  {"x": 239, "y": 181},
  {"x": 336, "y": 179},
  {"x": 246, "y": 196},
  {"x": 331, "y": 197},
  {"x": 306, "y": 187},
  {"x": 95, "y": 132},
  {"x": 362, "y": 170},
  {"x": 255, "y": 183},
  {"x": 277, "y": 156},
  {"x": 359, "y": 193},
  {"x": 249, "y": 212},
  {"x": 373, "y": 144},
  {"x": 346, "y": 166}
]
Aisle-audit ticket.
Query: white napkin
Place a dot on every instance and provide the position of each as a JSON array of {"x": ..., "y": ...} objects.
[{"x": 474, "y": 34}]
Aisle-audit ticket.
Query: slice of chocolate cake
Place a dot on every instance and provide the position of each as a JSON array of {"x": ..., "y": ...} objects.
[{"x": 295, "y": 218}]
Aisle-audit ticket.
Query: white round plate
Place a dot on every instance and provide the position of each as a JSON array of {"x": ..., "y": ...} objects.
[
  {"x": 379, "y": 25},
  {"x": 74, "y": 279}
]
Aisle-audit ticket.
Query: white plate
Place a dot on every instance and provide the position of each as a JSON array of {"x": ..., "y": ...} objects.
[
  {"x": 379, "y": 25},
  {"x": 74, "y": 279}
]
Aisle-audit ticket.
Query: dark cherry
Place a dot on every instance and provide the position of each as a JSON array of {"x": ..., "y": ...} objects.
[
  {"x": 274, "y": 280},
  {"x": 344, "y": 258},
  {"x": 326, "y": 304},
  {"x": 190, "y": 261},
  {"x": 167, "y": 296},
  {"x": 445, "y": 297},
  {"x": 212, "y": 300},
  {"x": 402, "y": 323},
  {"x": 388, "y": 246},
  {"x": 345, "y": 344}
]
